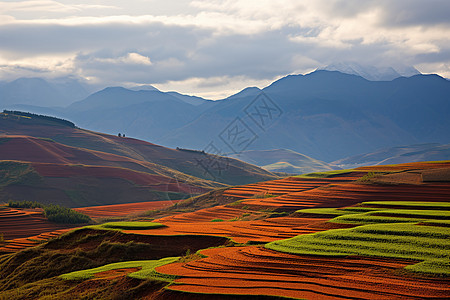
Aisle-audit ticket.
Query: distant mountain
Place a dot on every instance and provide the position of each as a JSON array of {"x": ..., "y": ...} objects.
[
  {"x": 39, "y": 92},
  {"x": 328, "y": 115},
  {"x": 194, "y": 100},
  {"x": 147, "y": 114},
  {"x": 283, "y": 160},
  {"x": 145, "y": 87},
  {"x": 371, "y": 72},
  {"x": 397, "y": 155},
  {"x": 50, "y": 159}
]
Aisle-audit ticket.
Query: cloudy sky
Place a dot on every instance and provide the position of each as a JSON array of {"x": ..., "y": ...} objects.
[{"x": 216, "y": 47}]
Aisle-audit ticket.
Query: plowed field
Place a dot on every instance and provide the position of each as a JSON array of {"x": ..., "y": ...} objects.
[
  {"x": 259, "y": 271},
  {"x": 120, "y": 210}
]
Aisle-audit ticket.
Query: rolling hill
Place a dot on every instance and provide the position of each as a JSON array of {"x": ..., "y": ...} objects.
[
  {"x": 283, "y": 160},
  {"x": 51, "y": 160},
  {"x": 397, "y": 155}
]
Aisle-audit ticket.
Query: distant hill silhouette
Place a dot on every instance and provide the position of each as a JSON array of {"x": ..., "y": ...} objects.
[
  {"x": 283, "y": 160},
  {"x": 397, "y": 155},
  {"x": 40, "y": 92},
  {"x": 371, "y": 72}
]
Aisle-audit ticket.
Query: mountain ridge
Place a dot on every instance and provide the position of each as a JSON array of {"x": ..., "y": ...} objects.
[{"x": 324, "y": 114}]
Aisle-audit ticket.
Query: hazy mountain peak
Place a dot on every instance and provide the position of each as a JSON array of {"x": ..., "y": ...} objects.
[
  {"x": 372, "y": 73},
  {"x": 144, "y": 87},
  {"x": 249, "y": 91}
]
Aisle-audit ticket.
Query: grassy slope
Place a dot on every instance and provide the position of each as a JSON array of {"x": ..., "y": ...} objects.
[
  {"x": 325, "y": 174},
  {"x": 147, "y": 270},
  {"x": 391, "y": 233},
  {"x": 128, "y": 226}
]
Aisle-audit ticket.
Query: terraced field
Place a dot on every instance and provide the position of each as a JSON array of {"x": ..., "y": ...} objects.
[
  {"x": 121, "y": 210},
  {"x": 20, "y": 223},
  {"x": 23, "y": 228},
  {"x": 259, "y": 271},
  {"x": 260, "y": 231},
  {"x": 369, "y": 233},
  {"x": 320, "y": 269},
  {"x": 18, "y": 244}
]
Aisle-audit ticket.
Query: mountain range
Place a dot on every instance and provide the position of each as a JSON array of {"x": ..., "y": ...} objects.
[
  {"x": 371, "y": 72},
  {"x": 326, "y": 115},
  {"x": 58, "y": 92}
]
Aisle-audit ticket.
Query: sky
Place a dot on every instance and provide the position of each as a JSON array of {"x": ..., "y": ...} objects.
[{"x": 215, "y": 48}]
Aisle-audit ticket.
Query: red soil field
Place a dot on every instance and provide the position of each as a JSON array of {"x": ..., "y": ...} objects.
[
  {"x": 21, "y": 223},
  {"x": 120, "y": 210},
  {"x": 156, "y": 182},
  {"x": 18, "y": 244},
  {"x": 266, "y": 230},
  {"x": 259, "y": 271},
  {"x": 27, "y": 148},
  {"x": 407, "y": 166},
  {"x": 297, "y": 193},
  {"x": 112, "y": 274}
]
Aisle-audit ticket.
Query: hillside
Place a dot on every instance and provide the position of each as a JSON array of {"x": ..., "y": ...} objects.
[
  {"x": 283, "y": 160},
  {"x": 193, "y": 163},
  {"x": 375, "y": 231},
  {"x": 397, "y": 155},
  {"x": 52, "y": 161}
]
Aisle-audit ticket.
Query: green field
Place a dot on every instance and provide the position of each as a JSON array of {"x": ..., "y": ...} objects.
[
  {"x": 147, "y": 270},
  {"x": 409, "y": 204},
  {"x": 325, "y": 174},
  {"x": 128, "y": 226},
  {"x": 407, "y": 241},
  {"x": 384, "y": 232},
  {"x": 376, "y": 212}
]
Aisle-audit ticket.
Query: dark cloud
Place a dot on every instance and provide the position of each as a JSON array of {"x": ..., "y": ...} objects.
[{"x": 415, "y": 12}]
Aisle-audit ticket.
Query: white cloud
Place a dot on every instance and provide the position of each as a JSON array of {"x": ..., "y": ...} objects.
[
  {"x": 181, "y": 43},
  {"x": 132, "y": 58}
]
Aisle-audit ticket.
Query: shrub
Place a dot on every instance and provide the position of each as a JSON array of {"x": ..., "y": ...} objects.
[
  {"x": 59, "y": 214},
  {"x": 42, "y": 117},
  {"x": 24, "y": 204},
  {"x": 371, "y": 175},
  {"x": 54, "y": 213}
]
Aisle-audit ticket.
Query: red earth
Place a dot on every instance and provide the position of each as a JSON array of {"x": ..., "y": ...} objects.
[
  {"x": 254, "y": 270},
  {"x": 156, "y": 182},
  {"x": 23, "y": 228},
  {"x": 120, "y": 210}
]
